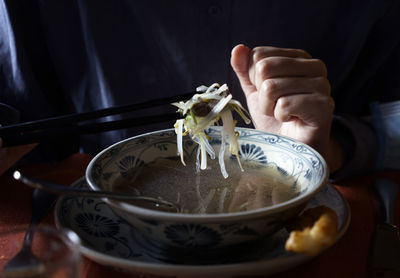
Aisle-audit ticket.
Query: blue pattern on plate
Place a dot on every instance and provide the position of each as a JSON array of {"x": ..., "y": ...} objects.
[
  {"x": 192, "y": 235},
  {"x": 97, "y": 225},
  {"x": 104, "y": 232}
]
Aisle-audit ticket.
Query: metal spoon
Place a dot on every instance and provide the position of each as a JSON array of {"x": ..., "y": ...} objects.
[
  {"x": 25, "y": 260},
  {"x": 142, "y": 201}
]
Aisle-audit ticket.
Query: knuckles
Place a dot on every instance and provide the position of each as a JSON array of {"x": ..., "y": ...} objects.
[
  {"x": 261, "y": 52},
  {"x": 269, "y": 86},
  {"x": 268, "y": 66},
  {"x": 284, "y": 103}
]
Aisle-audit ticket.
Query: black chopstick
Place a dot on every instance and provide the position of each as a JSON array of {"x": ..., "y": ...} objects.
[
  {"x": 74, "y": 118},
  {"x": 50, "y": 134},
  {"x": 51, "y": 128}
]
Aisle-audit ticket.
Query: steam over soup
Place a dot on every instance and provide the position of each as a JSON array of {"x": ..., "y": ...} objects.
[{"x": 208, "y": 191}]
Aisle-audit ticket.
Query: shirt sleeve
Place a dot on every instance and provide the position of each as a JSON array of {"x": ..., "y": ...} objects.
[
  {"x": 370, "y": 143},
  {"x": 368, "y": 107},
  {"x": 360, "y": 143}
]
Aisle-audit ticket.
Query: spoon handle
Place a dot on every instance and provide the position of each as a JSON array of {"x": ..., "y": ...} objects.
[
  {"x": 54, "y": 188},
  {"x": 72, "y": 191},
  {"x": 386, "y": 191},
  {"x": 41, "y": 203}
]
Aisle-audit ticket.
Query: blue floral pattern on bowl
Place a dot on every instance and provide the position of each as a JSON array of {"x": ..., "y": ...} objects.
[
  {"x": 288, "y": 156},
  {"x": 127, "y": 163},
  {"x": 252, "y": 152}
]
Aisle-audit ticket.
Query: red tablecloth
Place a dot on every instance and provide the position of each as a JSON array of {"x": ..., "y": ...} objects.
[{"x": 348, "y": 258}]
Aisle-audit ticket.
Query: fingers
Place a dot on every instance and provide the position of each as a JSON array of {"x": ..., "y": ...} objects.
[
  {"x": 310, "y": 108},
  {"x": 253, "y": 67},
  {"x": 240, "y": 59},
  {"x": 273, "y": 67},
  {"x": 274, "y": 88},
  {"x": 282, "y": 83},
  {"x": 287, "y": 92},
  {"x": 270, "y": 51}
]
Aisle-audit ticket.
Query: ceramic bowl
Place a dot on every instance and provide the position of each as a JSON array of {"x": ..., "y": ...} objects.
[{"x": 210, "y": 230}]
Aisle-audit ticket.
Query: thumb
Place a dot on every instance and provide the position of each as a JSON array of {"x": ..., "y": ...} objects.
[{"x": 240, "y": 59}]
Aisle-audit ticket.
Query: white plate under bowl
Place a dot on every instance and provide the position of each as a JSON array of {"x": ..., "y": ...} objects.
[{"x": 109, "y": 240}]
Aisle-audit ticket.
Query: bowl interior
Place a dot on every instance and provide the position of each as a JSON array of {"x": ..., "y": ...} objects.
[{"x": 290, "y": 157}]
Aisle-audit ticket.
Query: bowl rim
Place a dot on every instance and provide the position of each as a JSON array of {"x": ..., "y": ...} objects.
[{"x": 214, "y": 217}]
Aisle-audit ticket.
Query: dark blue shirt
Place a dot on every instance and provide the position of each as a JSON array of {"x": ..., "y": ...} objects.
[{"x": 66, "y": 56}]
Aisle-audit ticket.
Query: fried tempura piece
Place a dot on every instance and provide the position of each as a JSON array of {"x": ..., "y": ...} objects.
[{"x": 315, "y": 230}]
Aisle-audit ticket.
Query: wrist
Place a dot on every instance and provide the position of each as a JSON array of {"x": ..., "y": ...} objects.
[{"x": 335, "y": 156}]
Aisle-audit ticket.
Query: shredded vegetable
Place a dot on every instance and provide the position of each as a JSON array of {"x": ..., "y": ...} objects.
[{"x": 203, "y": 110}]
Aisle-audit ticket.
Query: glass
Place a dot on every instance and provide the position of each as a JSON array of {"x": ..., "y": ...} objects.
[{"x": 55, "y": 252}]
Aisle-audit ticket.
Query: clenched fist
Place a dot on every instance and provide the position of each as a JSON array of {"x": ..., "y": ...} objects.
[{"x": 288, "y": 93}]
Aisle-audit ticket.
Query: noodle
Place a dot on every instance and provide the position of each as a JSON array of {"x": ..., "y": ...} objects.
[{"x": 203, "y": 110}]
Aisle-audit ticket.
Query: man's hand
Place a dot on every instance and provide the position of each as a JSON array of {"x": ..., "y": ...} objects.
[{"x": 288, "y": 93}]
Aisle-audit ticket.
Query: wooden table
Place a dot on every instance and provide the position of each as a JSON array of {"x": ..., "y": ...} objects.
[{"x": 347, "y": 258}]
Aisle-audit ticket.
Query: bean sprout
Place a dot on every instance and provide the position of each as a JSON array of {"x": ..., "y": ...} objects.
[{"x": 204, "y": 110}]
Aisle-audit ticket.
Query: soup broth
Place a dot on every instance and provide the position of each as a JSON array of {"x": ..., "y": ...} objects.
[{"x": 208, "y": 191}]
